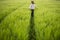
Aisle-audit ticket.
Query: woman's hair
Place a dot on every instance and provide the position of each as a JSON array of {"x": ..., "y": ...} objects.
[{"x": 32, "y": 2}]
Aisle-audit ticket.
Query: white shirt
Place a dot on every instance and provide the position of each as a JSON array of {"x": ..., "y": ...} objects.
[{"x": 32, "y": 6}]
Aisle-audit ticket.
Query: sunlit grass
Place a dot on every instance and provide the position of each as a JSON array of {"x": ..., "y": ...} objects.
[{"x": 15, "y": 20}]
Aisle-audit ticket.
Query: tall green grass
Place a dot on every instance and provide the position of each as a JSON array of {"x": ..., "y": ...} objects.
[{"x": 15, "y": 20}]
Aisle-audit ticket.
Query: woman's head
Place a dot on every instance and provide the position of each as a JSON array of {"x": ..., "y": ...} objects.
[{"x": 32, "y": 2}]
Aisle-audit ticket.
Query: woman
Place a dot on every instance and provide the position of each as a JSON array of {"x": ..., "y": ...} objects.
[{"x": 32, "y": 7}]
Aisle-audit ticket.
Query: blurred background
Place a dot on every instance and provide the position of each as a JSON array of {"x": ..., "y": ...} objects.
[{"x": 15, "y": 20}]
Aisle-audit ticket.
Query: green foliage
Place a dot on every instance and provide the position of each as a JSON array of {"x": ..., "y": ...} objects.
[{"x": 15, "y": 20}]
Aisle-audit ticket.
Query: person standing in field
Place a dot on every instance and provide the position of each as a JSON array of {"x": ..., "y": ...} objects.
[{"x": 32, "y": 7}]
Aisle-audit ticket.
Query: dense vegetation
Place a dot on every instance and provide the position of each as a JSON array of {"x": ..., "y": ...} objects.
[{"x": 15, "y": 20}]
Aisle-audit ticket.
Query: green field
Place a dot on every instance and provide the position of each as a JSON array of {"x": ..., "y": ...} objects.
[{"x": 15, "y": 18}]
